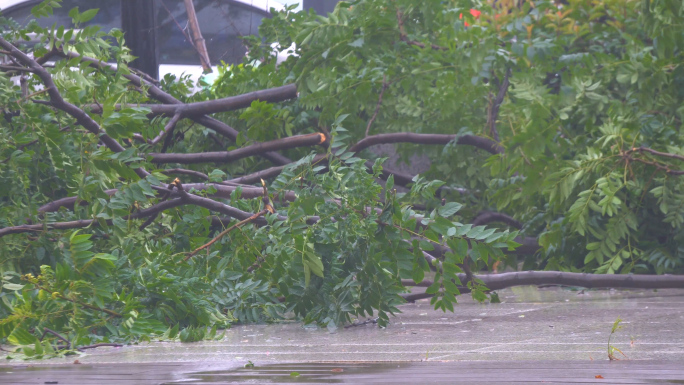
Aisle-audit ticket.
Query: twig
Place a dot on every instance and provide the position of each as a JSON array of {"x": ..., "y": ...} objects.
[
  {"x": 183, "y": 171},
  {"x": 494, "y": 107},
  {"x": 268, "y": 208},
  {"x": 216, "y": 139},
  {"x": 366, "y": 322},
  {"x": 54, "y": 333},
  {"x": 658, "y": 153},
  {"x": 82, "y": 348},
  {"x": 154, "y": 216},
  {"x": 224, "y": 232},
  {"x": 377, "y": 106},
  {"x": 168, "y": 128},
  {"x": 23, "y": 146},
  {"x": 657, "y": 165},
  {"x": 404, "y": 37}
]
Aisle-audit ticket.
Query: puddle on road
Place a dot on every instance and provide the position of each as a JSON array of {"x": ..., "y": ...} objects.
[
  {"x": 464, "y": 372},
  {"x": 297, "y": 374}
]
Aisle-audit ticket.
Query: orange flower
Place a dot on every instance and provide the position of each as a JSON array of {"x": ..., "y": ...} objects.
[{"x": 473, "y": 12}]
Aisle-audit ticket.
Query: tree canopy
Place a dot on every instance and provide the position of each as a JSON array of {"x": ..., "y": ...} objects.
[{"x": 132, "y": 208}]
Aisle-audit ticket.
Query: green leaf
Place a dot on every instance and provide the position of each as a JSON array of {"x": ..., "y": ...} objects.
[
  {"x": 21, "y": 336},
  {"x": 88, "y": 15},
  {"x": 449, "y": 209},
  {"x": 12, "y": 286}
]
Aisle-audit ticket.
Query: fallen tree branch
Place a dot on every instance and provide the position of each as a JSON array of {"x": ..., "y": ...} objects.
[
  {"x": 222, "y": 191},
  {"x": 184, "y": 198},
  {"x": 229, "y": 156},
  {"x": 182, "y": 171},
  {"x": 271, "y": 172},
  {"x": 81, "y": 223},
  {"x": 166, "y": 98},
  {"x": 590, "y": 281},
  {"x": 231, "y": 103}
]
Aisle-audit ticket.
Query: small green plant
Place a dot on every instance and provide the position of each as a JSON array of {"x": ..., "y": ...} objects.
[{"x": 612, "y": 349}]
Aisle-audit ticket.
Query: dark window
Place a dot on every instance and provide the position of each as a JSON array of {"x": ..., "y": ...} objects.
[{"x": 222, "y": 23}]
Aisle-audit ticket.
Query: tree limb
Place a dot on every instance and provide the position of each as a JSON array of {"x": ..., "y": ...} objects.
[
  {"x": 229, "y": 156},
  {"x": 166, "y": 98},
  {"x": 81, "y": 223},
  {"x": 590, "y": 281},
  {"x": 231, "y": 103}
]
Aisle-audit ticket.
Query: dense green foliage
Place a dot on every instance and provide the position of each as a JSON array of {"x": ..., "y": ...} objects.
[{"x": 590, "y": 128}]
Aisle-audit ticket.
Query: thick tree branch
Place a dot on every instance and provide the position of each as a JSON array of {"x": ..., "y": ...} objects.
[
  {"x": 271, "y": 172},
  {"x": 81, "y": 223},
  {"x": 166, "y": 98},
  {"x": 271, "y": 95},
  {"x": 229, "y": 156},
  {"x": 222, "y": 191},
  {"x": 590, "y": 281},
  {"x": 182, "y": 171}
]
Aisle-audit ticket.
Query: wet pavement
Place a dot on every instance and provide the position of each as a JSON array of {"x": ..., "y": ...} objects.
[{"x": 530, "y": 324}]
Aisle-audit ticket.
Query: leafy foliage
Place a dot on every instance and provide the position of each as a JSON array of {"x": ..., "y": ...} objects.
[{"x": 590, "y": 130}]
